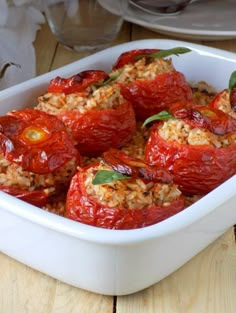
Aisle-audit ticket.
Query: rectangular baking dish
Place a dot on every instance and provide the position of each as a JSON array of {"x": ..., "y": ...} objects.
[{"x": 117, "y": 262}]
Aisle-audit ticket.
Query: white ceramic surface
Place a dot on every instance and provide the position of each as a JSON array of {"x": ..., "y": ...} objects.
[
  {"x": 110, "y": 261},
  {"x": 202, "y": 19}
]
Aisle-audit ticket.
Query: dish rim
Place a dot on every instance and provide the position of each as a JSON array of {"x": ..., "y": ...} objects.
[
  {"x": 109, "y": 236},
  {"x": 105, "y": 236}
]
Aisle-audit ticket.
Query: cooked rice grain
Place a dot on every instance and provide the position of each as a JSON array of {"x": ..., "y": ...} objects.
[
  {"x": 181, "y": 132},
  {"x": 136, "y": 146},
  {"x": 13, "y": 175},
  {"x": 131, "y": 193},
  {"x": 142, "y": 70},
  {"x": 102, "y": 98},
  {"x": 224, "y": 105}
]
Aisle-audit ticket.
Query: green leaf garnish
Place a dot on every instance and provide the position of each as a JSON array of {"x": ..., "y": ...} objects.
[
  {"x": 164, "y": 53},
  {"x": 111, "y": 78},
  {"x": 163, "y": 115},
  {"x": 232, "y": 81},
  {"x": 106, "y": 176}
]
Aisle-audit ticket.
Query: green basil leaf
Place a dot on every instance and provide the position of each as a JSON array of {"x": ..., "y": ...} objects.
[
  {"x": 163, "y": 115},
  {"x": 165, "y": 53},
  {"x": 106, "y": 176},
  {"x": 110, "y": 79},
  {"x": 232, "y": 81}
]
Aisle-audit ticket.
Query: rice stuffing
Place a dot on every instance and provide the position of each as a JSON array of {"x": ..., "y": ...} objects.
[
  {"x": 102, "y": 98},
  {"x": 13, "y": 175},
  {"x": 131, "y": 193},
  {"x": 143, "y": 69},
  {"x": 181, "y": 132}
]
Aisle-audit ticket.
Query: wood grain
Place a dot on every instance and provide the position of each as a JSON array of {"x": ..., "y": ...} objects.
[
  {"x": 206, "y": 284},
  {"x": 24, "y": 290}
]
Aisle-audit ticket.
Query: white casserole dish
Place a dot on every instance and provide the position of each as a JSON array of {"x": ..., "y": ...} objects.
[{"x": 117, "y": 262}]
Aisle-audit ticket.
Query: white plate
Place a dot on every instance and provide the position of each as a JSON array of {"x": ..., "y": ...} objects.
[
  {"x": 202, "y": 19},
  {"x": 111, "y": 261}
]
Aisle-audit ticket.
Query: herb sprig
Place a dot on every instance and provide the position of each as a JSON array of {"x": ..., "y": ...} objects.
[
  {"x": 164, "y": 53},
  {"x": 112, "y": 77},
  {"x": 106, "y": 176},
  {"x": 162, "y": 116},
  {"x": 232, "y": 81}
]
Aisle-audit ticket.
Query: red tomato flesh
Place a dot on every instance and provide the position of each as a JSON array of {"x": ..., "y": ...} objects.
[
  {"x": 196, "y": 169},
  {"x": 76, "y": 83},
  {"x": 37, "y": 141},
  {"x": 84, "y": 208}
]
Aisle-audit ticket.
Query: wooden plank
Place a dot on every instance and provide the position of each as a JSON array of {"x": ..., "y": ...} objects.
[
  {"x": 73, "y": 300},
  {"x": 205, "y": 284},
  {"x": 45, "y": 49},
  {"x": 229, "y": 45},
  {"x": 23, "y": 289}
]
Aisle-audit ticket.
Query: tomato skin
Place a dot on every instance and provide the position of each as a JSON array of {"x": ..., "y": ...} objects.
[
  {"x": 150, "y": 97},
  {"x": 47, "y": 154},
  {"x": 216, "y": 102},
  {"x": 135, "y": 167},
  {"x": 209, "y": 117},
  {"x": 76, "y": 83},
  {"x": 129, "y": 57},
  {"x": 217, "y": 99},
  {"x": 97, "y": 131},
  {"x": 198, "y": 169},
  {"x": 85, "y": 209},
  {"x": 38, "y": 197}
]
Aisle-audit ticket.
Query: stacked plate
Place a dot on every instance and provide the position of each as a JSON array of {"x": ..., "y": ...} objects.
[{"x": 200, "y": 20}]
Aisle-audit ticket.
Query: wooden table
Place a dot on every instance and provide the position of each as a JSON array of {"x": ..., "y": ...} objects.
[{"x": 206, "y": 284}]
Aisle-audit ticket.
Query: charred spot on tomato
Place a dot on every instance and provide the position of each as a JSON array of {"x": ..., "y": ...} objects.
[
  {"x": 34, "y": 135},
  {"x": 76, "y": 83},
  {"x": 130, "y": 57}
]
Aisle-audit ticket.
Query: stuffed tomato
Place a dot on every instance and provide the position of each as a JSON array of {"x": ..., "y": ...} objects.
[
  {"x": 149, "y": 81},
  {"x": 37, "y": 156},
  {"x": 222, "y": 102},
  {"x": 95, "y": 113},
  {"x": 129, "y": 195},
  {"x": 225, "y": 100},
  {"x": 199, "y": 151}
]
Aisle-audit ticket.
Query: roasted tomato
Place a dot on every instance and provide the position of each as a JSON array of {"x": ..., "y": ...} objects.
[
  {"x": 98, "y": 119},
  {"x": 36, "y": 141},
  {"x": 130, "y": 57},
  {"x": 225, "y": 102},
  {"x": 38, "y": 198},
  {"x": 97, "y": 130},
  {"x": 198, "y": 159},
  {"x": 76, "y": 83},
  {"x": 153, "y": 96},
  {"x": 149, "y": 81},
  {"x": 214, "y": 119},
  {"x": 126, "y": 203}
]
